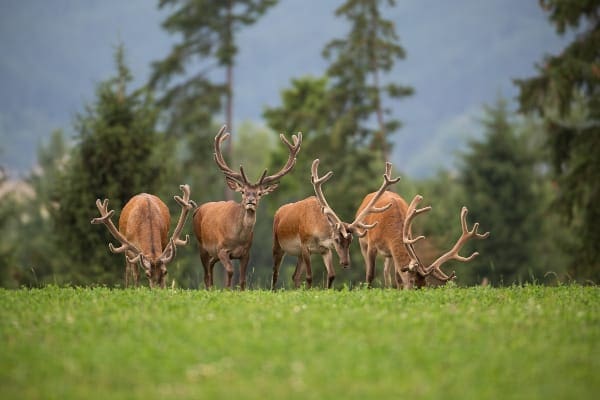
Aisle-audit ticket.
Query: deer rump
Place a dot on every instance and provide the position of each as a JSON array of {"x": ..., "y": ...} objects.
[
  {"x": 145, "y": 222},
  {"x": 384, "y": 239}
]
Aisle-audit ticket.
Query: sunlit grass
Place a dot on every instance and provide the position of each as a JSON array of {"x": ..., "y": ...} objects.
[{"x": 530, "y": 342}]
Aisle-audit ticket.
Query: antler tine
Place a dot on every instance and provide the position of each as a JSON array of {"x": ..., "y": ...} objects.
[
  {"x": 407, "y": 238},
  {"x": 291, "y": 161},
  {"x": 473, "y": 232},
  {"x": 466, "y": 234},
  {"x": 370, "y": 207},
  {"x": 186, "y": 206},
  {"x": 105, "y": 218},
  {"x": 317, "y": 183},
  {"x": 222, "y": 135}
]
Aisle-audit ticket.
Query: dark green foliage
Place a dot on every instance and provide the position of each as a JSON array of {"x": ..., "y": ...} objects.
[
  {"x": 359, "y": 63},
  {"x": 566, "y": 94},
  {"x": 499, "y": 182},
  {"x": 191, "y": 92},
  {"x": 118, "y": 154}
]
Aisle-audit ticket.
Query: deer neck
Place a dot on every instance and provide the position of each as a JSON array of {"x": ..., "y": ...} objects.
[{"x": 247, "y": 219}]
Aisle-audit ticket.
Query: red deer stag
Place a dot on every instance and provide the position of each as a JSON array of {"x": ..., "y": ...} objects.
[
  {"x": 398, "y": 251},
  {"x": 143, "y": 229},
  {"x": 224, "y": 229},
  {"x": 311, "y": 226}
]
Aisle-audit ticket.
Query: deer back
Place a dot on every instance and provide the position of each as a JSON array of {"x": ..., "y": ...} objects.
[
  {"x": 301, "y": 224},
  {"x": 386, "y": 235},
  {"x": 145, "y": 222}
]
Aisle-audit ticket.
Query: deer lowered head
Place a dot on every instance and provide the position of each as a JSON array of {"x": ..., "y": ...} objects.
[
  {"x": 418, "y": 271},
  {"x": 343, "y": 232},
  {"x": 143, "y": 230}
]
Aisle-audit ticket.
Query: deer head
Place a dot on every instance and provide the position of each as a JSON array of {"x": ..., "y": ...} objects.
[
  {"x": 416, "y": 267},
  {"x": 155, "y": 268},
  {"x": 237, "y": 181},
  {"x": 343, "y": 232}
]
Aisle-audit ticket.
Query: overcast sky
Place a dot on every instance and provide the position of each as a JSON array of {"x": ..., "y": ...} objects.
[{"x": 461, "y": 54}]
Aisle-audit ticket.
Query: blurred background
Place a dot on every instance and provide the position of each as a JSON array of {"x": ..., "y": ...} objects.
[{"x": 492, "y": 105}]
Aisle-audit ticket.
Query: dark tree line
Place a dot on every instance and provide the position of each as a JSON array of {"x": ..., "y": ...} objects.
[{"x": 530, "y": 179}]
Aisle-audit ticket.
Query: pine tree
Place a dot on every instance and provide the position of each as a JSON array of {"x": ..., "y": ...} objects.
[
  {"x": 499, "y": 179},
  {"x": 359, "y": 64},
  {"x": 118, "y": 154},
  {"x": 207, "y": 29},
  {"x": 566, "y": 94}
]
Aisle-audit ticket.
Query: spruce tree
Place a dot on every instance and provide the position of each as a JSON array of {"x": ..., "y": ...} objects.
[
  {"x": 499, "y": 181},
  {"x": 208, "y": 39},
  {"x": 117, "y": 155},
  {"x": 566, "y": 94},
  {"x": 359, "y": 64}
]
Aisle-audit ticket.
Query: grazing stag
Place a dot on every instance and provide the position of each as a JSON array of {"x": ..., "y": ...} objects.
[
  {"x": 311, "y": 226},
  {"x": 398, "y": 251},
  {"x": 224, "y": 229},
  {"x": 143, "y": 229}
]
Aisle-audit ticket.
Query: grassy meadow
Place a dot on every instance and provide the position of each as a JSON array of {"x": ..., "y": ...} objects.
[{"x": 529, "y": 342}]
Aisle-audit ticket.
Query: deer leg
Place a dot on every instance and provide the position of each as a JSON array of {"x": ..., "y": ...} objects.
[
  {"x": 298, "y": 272},
  {"x": 135, "y": 268},
  {"x": 205, "y": 260},
  {"x": 243, "y": 265},
  {"x": 226, "y": 261},
  {"x": 277, "y": 258},
  {"x": 371, "y": 255},
  {"x": 388, "y": 267},
  {"x": 306, "y": 261},
  {"x": 127, "y": 273},
  {"x": 328, "y": 261},
  {"x": 211, "y": 269},
  {"x": 131, "y": 270}
]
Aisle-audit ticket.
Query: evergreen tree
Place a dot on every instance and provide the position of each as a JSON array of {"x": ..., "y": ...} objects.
[
  {"x": 207, "y": 29},
  {"x": 117, "y": 155},
  {"x": 499, "y": 181},
  {"x": 359, "y": 64},
  {"x": 566, "y": 94}
]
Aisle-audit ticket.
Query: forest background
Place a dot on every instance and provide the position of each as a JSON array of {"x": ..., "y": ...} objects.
[{"x": 528, "y": 173}]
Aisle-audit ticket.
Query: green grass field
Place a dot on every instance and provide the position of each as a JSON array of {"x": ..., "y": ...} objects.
[{"x": 452, "y": 343}]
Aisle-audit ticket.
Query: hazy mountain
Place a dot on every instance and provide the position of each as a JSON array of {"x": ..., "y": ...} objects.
[{"x": 461, "y": 54}]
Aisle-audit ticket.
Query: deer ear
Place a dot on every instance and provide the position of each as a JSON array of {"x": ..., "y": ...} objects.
[
  {"x": 269, "y": 188},
  {"x": 234, "y": 185}
]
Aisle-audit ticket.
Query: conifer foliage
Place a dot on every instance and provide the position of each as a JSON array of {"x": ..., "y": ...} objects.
[
  {"x": 566, "y": 94},
  {"x": 118, "y": 154},
  {"x": 358, "y": 66},
  {"x": 498, "y": 177}
]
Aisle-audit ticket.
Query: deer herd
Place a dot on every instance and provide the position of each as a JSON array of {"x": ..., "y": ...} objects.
[{"x": 224, "y": 230}]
